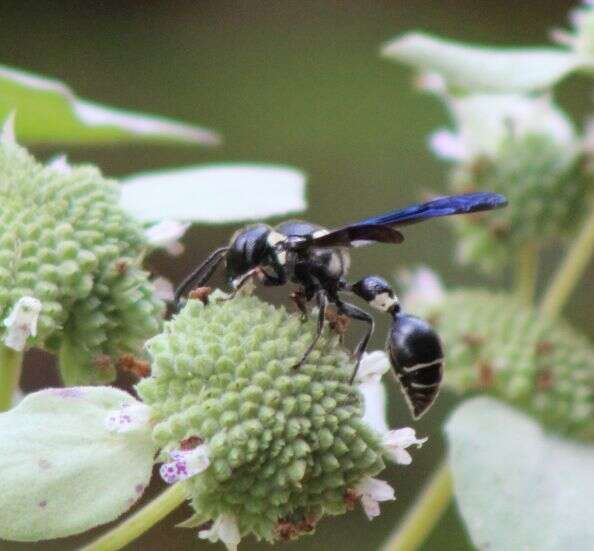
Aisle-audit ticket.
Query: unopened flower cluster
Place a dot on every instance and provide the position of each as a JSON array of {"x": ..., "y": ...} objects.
[
  {"x": 264, "y": 448},
  {"x": 527, "y": 149},
  {"x": 70, "y": 270},
  {"x": 496, "y": 344}
]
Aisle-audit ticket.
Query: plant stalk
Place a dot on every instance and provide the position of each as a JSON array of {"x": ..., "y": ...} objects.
[
  {"x": 140, "y": 522},
  {"x": 10, "y": 373},
  {"x": 527, "y": 268},
  {"x": 571, "y": 269},
  {"x": 425, "y": 514}
]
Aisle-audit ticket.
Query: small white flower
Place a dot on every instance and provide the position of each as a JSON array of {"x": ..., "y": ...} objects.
[
  {"x": 372, "y": 367},
  {"x": 225, "y": 529},
  {"x": 483, "y": 121},
  {"x": 21, "y": 323},
  {"x": 163, "y": 288},
  {"x": 579, "y": 38},
  {"x": 130, "y": 417},
  {"x": 166, "y": 235},
  {"x": 60, "y": 164},
  {"x": 7, "y": 133},
  {"x": 396, "y": 441},
  {"x": 372, "y": 491},
  {"x": 432, "y": 82},
  {"x": 374, "y": 406},
  {"x": 185, "y": 464},
  {"x": 447, "y": 145},
  {"x": 423, "y": 287}
]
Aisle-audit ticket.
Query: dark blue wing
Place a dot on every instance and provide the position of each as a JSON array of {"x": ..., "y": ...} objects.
[
  {"x": 444, "y": 206},
  {"x": 380, "y": 228}
]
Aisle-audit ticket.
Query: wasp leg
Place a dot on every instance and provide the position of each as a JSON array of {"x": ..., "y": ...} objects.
[
  {"x": 200, "y": 275},
  {"x": 322, "y": 301},
  {"x": 300, "y": 300},
  {"x": 353, "y": 312},
  {"x": 241, "y": 282},
  {"x": 247, "y": 278}
]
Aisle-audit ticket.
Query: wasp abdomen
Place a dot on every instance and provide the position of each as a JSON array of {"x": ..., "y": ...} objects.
[{"x": 417, "y": 357}]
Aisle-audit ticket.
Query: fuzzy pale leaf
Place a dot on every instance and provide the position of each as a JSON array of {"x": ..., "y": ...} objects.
[
  {"x": 215, "y": 193},
  {"x": 61, "y": 471},
  {"x": 518, "y": 487},
  {"x": 483, "y": 69}
]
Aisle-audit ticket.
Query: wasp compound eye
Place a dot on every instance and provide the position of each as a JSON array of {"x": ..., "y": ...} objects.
[{"x": 416, "y": 355}]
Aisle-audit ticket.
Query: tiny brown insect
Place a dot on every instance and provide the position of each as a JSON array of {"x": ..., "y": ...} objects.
[
  {"x": 135, "y": 366},
  {"x": 201, "y": 294}
]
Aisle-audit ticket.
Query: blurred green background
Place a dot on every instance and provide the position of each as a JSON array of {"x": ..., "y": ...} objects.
[{"x": 297, "y": 83}]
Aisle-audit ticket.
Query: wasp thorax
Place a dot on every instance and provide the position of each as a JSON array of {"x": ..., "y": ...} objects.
[{"x": 283, "y": 444}]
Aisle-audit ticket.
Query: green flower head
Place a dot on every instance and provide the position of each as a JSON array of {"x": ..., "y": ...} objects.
[
  {"x": 496, "y": 344},
  {"x": 70, "y": 274},
  {"x": 264, "y": 448},
  {"x": 525, "y": 148}
]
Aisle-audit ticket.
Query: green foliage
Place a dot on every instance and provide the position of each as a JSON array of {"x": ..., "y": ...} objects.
[
  {"x": 285, "y": 445},
  {"x": 49, "y": 112}
]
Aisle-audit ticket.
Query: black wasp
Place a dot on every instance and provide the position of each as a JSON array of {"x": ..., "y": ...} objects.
[{"x": 317, "y": 260}]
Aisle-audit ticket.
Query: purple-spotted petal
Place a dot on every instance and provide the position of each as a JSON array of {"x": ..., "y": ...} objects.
[
  {"x": 129, "y": 417},
  {"x": 185, "y": 464}
]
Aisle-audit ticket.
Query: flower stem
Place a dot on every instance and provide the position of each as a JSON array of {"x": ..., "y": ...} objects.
[
  {"x": 575, "y": 262},
  {"x": 140, "y": 522},
  {"x": 10, "y": 373},
  {"x": 70, "y": 360},
  {"x": 425, "y": 514},
  {"x": 526, "y": 271}
]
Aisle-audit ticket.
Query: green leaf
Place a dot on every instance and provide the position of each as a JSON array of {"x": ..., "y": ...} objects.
[
  {"x": 49, "y": 112},
  {"x": 214, "y": 194},
  {"x": 518, "y": 487},
  {"x": 61, "y": 470},
  {"x": 483, "y": 69}
]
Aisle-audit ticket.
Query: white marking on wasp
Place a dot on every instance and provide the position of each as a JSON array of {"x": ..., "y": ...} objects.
[
  {"x": 273, "y": 239},
  {"x": 335, "y": 264},
  {"x": 416, "y": 367},
  {"x": 320, "y": 233},
  {"x": 419, "y": 385},
  {"x": 383, "y": 301}
]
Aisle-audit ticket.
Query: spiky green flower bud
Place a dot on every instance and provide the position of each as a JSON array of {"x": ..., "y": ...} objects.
[
  {"x": 496, "y": 344},
  {"x": 546, "y": 189},
  {"x": 65, "y": 242},
  {"x": 276, "y": 448}
]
